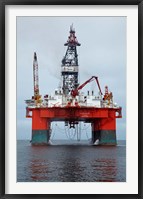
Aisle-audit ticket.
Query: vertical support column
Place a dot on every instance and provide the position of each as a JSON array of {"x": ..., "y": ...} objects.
[
  {"x": 40, "y": 129},
  {"x": 104, "y": 129},
  {"x": 95, "y": 131}
]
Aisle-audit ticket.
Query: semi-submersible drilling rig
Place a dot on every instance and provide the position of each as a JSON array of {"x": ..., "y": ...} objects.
[{"x": 70, "y": 105}]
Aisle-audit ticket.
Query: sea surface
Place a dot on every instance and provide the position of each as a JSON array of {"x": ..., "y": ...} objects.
[{"x": 71, "y": 161}]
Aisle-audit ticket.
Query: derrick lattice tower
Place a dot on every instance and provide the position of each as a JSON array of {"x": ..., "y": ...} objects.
[{"x": 69, "y": 66}]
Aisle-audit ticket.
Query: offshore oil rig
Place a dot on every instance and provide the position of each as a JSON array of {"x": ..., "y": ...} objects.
[{"x": 68, "y": 104}]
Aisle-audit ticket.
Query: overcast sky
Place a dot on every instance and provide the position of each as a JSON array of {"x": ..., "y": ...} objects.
[{"x": 102, "y": 53}]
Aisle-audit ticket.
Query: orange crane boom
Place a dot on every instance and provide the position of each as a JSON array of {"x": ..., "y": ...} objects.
[{"x": 74, "y": 93}]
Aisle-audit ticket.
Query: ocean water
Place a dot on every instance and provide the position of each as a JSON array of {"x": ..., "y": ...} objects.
[{"x": 71, "y": 161}]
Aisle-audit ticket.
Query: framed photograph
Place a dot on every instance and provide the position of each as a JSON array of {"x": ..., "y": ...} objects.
[{"x": 71, "y": 99}]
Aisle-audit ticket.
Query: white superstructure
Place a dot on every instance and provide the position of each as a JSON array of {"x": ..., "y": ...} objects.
[{"x": 58, "y": 99}]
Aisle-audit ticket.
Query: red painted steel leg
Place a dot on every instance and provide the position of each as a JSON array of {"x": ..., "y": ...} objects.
[
  {"x": 104, "y": 129},
  {"x": 40, "y": 129}
]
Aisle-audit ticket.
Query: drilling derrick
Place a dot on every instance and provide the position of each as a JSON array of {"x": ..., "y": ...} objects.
[
  {"x": 69, "y": 66},
  {"x": 71, "y": 106}
]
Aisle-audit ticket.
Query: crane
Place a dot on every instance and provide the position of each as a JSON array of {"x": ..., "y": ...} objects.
[
  {"x": 37, "y": 96},
  {"x": 108, "y": 95},
  {"x": 74, "y": 92}
]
